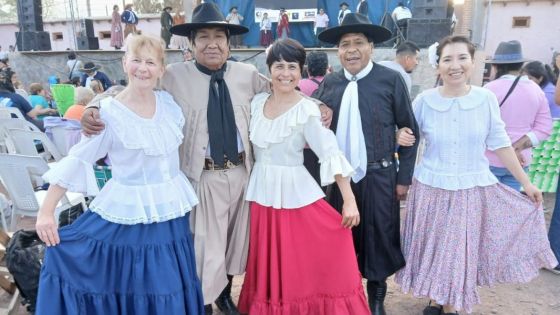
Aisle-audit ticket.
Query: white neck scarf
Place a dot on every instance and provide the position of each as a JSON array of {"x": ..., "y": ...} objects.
[{"x": 349, "y": 133}]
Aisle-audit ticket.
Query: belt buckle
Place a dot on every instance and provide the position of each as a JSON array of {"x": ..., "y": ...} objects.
[
  {"x": 229, "y": 164},
  {"x": 384, "y": 163}
]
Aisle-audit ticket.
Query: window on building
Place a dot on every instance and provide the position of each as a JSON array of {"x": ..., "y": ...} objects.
[
  {"x": 57, "y": 36},
  {"x": 105, "y": 35},
  {"x": 521, "y": 21}
]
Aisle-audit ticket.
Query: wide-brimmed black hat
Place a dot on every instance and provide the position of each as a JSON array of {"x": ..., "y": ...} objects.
[
  {"x": 508, "y": 52},
  {"x": 167, "y": 7},
  {"x": 89, "y": 66},
  {"x": 207, "y": 15},
  {"x": 355, "y": 23}
]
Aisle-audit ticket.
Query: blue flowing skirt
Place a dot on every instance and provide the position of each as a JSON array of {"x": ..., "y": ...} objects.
[{"x": 101, "y": 267}]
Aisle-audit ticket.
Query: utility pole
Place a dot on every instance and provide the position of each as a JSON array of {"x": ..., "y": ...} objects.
[{"x": 88, "y": 5}]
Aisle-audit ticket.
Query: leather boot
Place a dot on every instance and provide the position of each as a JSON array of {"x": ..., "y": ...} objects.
[
  {"x": 376, "y": 296},
  {"x": 208, "y": 309},
  {"x": 224, "y": 301}
]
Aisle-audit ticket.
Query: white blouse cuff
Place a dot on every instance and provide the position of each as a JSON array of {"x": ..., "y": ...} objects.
[
  {"x": 334, "y": 165},
  {"x": 73, "y": 174},
  {"x": 534, "y": 139}
]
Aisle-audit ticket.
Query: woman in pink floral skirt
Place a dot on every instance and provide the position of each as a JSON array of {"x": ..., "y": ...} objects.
[{"x": 463, "y": 229}]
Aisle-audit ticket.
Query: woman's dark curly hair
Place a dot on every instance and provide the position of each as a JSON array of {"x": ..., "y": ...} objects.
[{"x": 6, "y": 80}]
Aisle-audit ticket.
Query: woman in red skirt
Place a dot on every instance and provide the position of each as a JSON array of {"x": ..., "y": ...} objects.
[{"x": 301, "y": 254}]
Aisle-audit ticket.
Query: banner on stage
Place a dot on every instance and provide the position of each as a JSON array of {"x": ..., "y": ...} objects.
[{"x": 297, "y": 10}]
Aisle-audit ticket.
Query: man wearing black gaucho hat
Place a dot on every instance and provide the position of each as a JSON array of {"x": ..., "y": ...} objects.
[
  {"x": 370, "y": 102},
  {"x": 215, "y": 95}
]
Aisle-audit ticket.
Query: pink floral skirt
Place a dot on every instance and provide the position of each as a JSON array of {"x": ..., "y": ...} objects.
[
  {"x": 454, "y": 241},
  {"x": 301, "y": 261}
]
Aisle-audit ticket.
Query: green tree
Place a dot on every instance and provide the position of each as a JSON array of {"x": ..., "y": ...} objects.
[{"x": 8, "y": 11}]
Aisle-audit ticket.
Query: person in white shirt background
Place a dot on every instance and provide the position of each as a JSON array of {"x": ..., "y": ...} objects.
[
  {"x": 266, "y": 30},
  {"x": 320, "y": 24},
  {"x": 405, "y": 62},
  {"x": 235, "y": 18},
  {"x": 343, "y": 11},
  {"x": 401, "y": 15}
]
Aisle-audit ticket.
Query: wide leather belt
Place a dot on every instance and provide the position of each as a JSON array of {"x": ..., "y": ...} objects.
[
  {"x": 210, "y": 166},
  {"x": 383, "y": 163}
]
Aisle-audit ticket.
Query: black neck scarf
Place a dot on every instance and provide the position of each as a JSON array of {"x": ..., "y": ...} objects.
[{"x": 221, "y": 120}]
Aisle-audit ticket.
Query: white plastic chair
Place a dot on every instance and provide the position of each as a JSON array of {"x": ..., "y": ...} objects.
[
  {"x": 12, "y": 123},
  {"x": 24, "y": 143},
  {"x": 6, "y": 112},
  {"x": 15, "y": 172}
]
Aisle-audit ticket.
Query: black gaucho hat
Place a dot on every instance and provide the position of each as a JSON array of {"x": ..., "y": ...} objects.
[
  {"x": 355, "y": 23},
  {"x": 207, "y": 15}
]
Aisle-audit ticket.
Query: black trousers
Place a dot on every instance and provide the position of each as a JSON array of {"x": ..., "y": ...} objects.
[{"x": 377, "y": 238}]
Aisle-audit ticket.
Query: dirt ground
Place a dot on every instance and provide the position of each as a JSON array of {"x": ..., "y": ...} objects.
[{"x": 539, "y": 297}]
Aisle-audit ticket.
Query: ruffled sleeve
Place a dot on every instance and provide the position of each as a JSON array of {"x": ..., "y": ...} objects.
[
  {"x": 323, "y": 142},
  {"x": 75, "y": 172},
  {"x": 497, "y": 136}
]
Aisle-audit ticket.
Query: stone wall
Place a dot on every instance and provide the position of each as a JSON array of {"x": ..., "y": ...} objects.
[{"x": 38, "y": 66}]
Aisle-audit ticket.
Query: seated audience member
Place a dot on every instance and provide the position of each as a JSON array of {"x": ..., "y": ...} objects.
[
  {"x": 82, "y": 96},
  {"x": 9, "y": 98},
  {"x": 96, "y": 87},
  {"x": 39, "y": 102},
  {"x": 18, "y": 86},
  {"x": 537, "y": 72}
]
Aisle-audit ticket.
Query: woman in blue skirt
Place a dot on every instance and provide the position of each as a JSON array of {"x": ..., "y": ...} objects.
[{"x": 132, "y": 252}]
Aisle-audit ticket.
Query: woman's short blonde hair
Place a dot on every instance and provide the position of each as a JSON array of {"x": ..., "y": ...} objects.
[
  {"x": 141, "y": 43},
  {"x": 35, "y": 88},
  {"x": 83, "y": 95},
  {"x": 96, "y": 86}
]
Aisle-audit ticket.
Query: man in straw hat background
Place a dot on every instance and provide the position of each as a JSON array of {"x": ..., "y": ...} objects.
[
  {"x": 523, "y": 108},
  {"x": 216, "y": 154},
  {"x": 91, "y": 73},
  {"x": 369, "y": 102}
]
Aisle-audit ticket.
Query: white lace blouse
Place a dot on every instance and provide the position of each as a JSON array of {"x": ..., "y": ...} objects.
[
  {"x": 279, "y": 179},
  {"x": 147, "y": 185},
  {"x": 457, "y": 132}
]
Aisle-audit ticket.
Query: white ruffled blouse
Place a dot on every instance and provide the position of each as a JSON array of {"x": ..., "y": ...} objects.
[
  {"x": 147, "y": 185},
  {"x": 457, "y": 132},
  {"x": 279, "y": 179}
]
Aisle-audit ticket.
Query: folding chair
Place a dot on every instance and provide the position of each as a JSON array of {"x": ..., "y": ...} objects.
[
  {"x": 6, "y": 112},
  {"x": 15, "y": 172},
  {"x": 25, "y": 143}
]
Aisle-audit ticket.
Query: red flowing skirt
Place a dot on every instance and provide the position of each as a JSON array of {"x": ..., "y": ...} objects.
[{"x": 301, "y": 261}]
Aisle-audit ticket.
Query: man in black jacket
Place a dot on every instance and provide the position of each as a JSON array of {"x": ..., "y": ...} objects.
[{"x": 369, "y": 103}]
